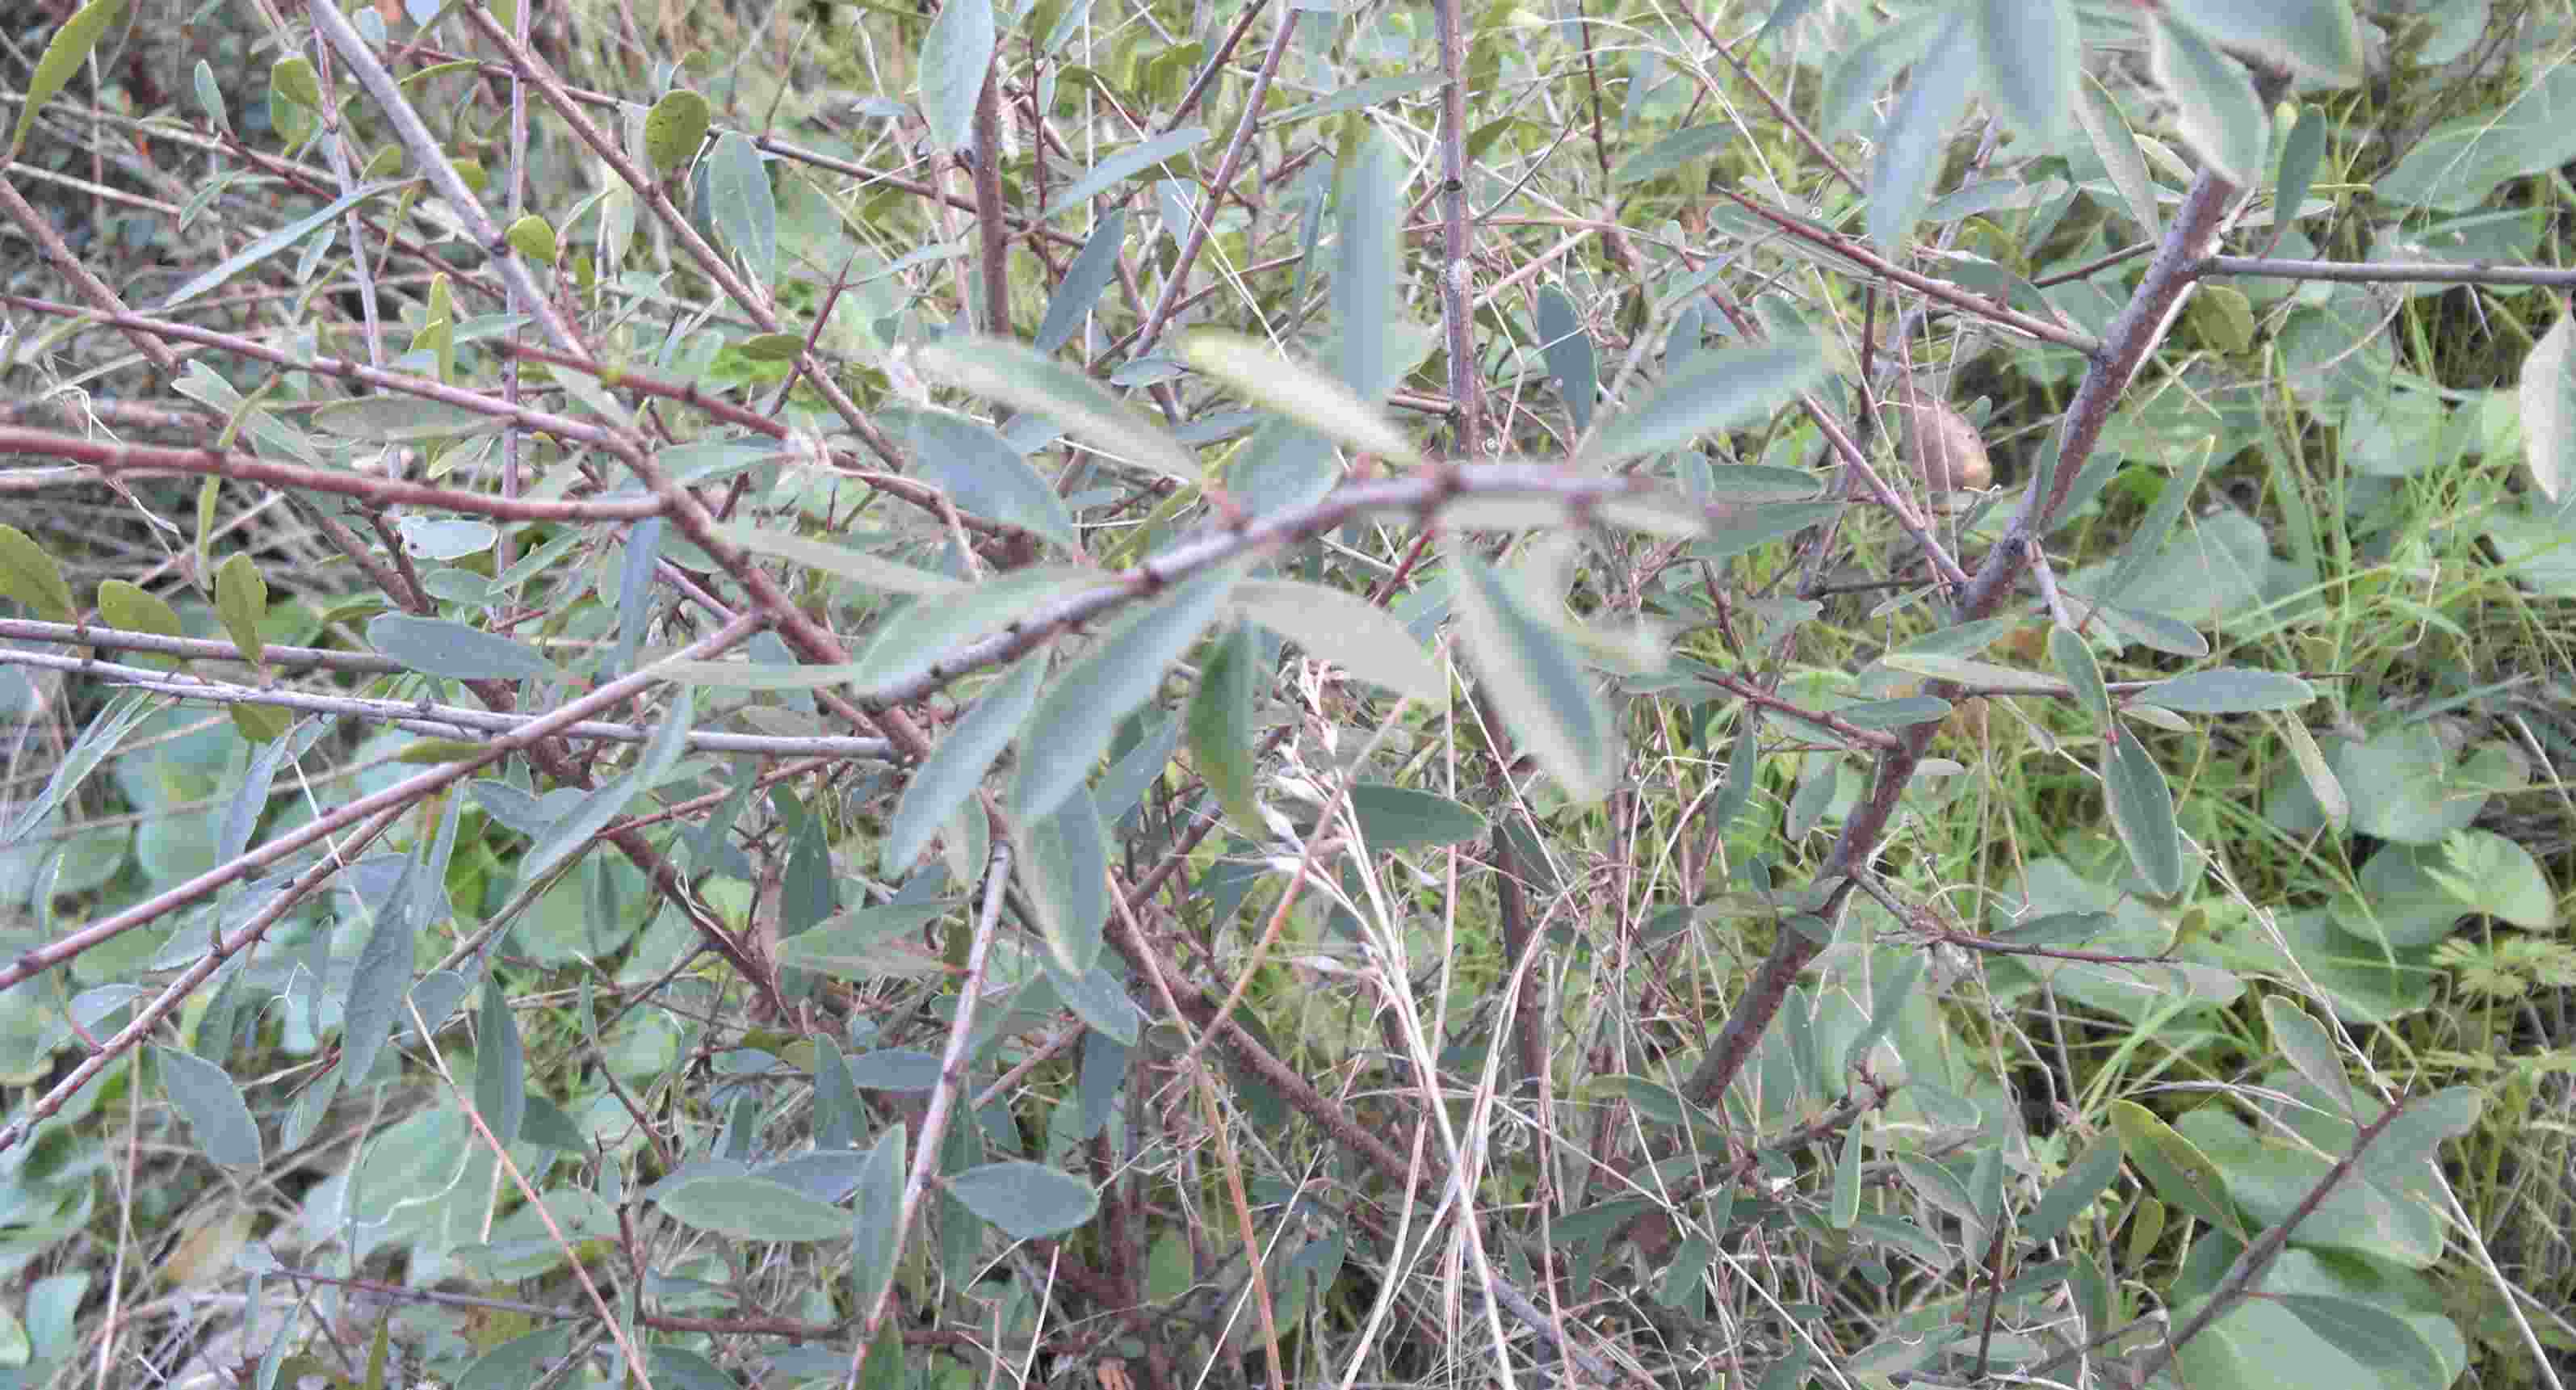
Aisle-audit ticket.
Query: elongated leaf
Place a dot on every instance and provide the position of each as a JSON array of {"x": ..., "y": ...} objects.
[
  {"x": 1718, "y": 390},
  {"x": 2229, "y": 690},
  {"x": 1120, "y": 167},
  {"x": 1887, "y": 995},
  {"x": 1090, "y": 273},
  {"x": 1346, "y": 630},
  {"x": 382, "y": 979},
  {"x": 216, "y": 1115},
  {"x": 1220, "y": 724},
  {"x": 1027, "y": 1200},
  {"x": 2309, "y": 1049},
  {"x": 1076, "y": 720},
  {"x": 875, "y": 1239},
  {"x": 241, "y": 600},
  {"x": 2318, "y": 40},
  {"x": 94, "y": 745},
  {"x": 574, "y": 831},
  {"x": 2142, "y": 810},
  {"x": 885, "y": 576},
  {"x": 436, "y": 647},
  {"x": 394, "y": 419},
  {"x": 69, "y": 48},
  {"x": 264, "y": 247},
  {"x": 1310, "y": 398},
  {"x": 2220, "y": 117},
  {"x": 2119, "y": 151},
  {"x": 2088, "y": 1177},
  {"x": 1401, "y": 818},
  {"x": 954, "y": 60},
  {"x": 1012, "y": 374},
  {"x": 953, "y": 769},
  {"x": 1568, "y": 351},
  {"x": 1672, "y": 152},
  {"x": 2548, "y": 397},
  {"x": 913, "y": 642},
  {"x": 750, "y": 1208},
  {"x": 1063, "y": 864},
  {"x": 2175, "y": 1167},
  {"x": 1846, "y": 1205},
  {"x": 2300, "y": 156},
  {"x": 2073, "y": 657},
  {"x": 1547, "y": 699},
  {"x": 1984, "y": 674},
  {"x": 30, "y": 574},
  {"x": 2031, "y": 64},
  {"x": 2375, "y": 1337},
  {"x": 873, "y": 943},
  {"x": 1854, "y": 81},
  {"x": 1368, "y": 222},
  {"x": 500, "y": 1065},
  {"x": 745, "y": 208},
  {"x": 1909, "y": 149}
]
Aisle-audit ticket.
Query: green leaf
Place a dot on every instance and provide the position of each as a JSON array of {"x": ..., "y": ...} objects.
[
  {"x": 2406, "y": 786},
  {"x": 2073, "y": 657},
  {"x": 1083, "y": 281},
  {"x": 1027, "y": 1200},
  {"x": 745, "y": 208},
  {"x": 1319, "y": 402},
  {"x": 261, "y": 248},
  {"x": 517, "y": 1363},
  {"x": 434, "y": 646},
  {"x": 954, "y": 61},
  {"x": 875, "y": 1240},
  {"x": 2301, "y": 154},
  {"x": 93, "y": 747},
  {"x": 500, "y": 1065},
  {"x": 2031, "y": 64},
  {"x": 2548, "y": 397},
  {"x": 133, "y": 609},
  {"x": 2318, "y": 40},
  {"x": 394, "y": 419},
  {"x": 871, "y": 943},
  {"x": 1846, "y": 1182},
  {"x": 2085, "y": 1179},
  {"x": 1887, "y": 995},
  {"x": 1852, "y": 83},
  {"x": 2118, "y": 149},
  {"x": 1115, "y": 170},
  {"x": 2228, "y": 690},
  {"x": 2216, "y": 108},
  {"x": 750, "y": 1208},
  {"x": 1063, "y": 865},
  {"x": 1078, "y": 717},
  {"x": 1983, "y": 674},
  {"x": 1220, "y": 724},
  {"x": 2373, "y": 1337},
  {"x": 1348, "y": 631},
  {"x": 1568, "y": 351},
  {"x": 217, "y": 1116},
  {"x": 241, "y": 600},
  {"x": 1012, "y": 374},
  {"x": 69, "y": 48},
  {"x": 2459, "y": 162},
  {"x": 2175, "y": 1167},
  {"x": 2491, "y": 874},
  {"x": 674, "y": 129},
  {"x": 1547, "y": 699},
  {"x": 2142, "y": 810},
  {"x": 1368, "y": 221},
  {"x": 2310, "y": 1050},
  {"x": 912, "y": 643},
  {"x": 839, "y": 561},
  {"x": 953, "y": 770},
  {"x": 572, "y": 832},
  {"x": 30, "y": 574},
  {"x": 1373, "y": 92},
  {"x": 1400, "y": 818},
  {"x": 533, "y": 236},
  {"x": 1717, "y": 390},
  {"x": 1901, "y": 179},
  {"x": 1672, "y": 152}
]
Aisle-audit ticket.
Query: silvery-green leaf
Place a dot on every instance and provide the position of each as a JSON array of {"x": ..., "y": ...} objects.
[
  {"x": 1918, "y": 131},
  {"x": 1547, "y": 699},
  {"x": 1346, "y": 630},
  {"x": 1079, "y": 715},
  {"x": 1016, "y": 376},
  {"x": 2215, "y": 105},
  {"x": 1718, "y": 390},
  {"x": 955, "y": 59}
]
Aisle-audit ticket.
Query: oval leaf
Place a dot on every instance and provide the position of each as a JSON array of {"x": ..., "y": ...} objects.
[
  {"x": 1546, "y": 698},
  {"x": 2229, "y": 690},
  {"x": 30, "y": 574},
  {"x": 1012, "y": 374},
  {"x": 674, "y": 129},
  {"x": 1398, "y": 818},
  {"x": 2142, "y": 811},
  {"x": 954, "y": 60},
  {"x": 1079, "y": 716},
  {"x": 1717, "y": 390},
  {"x": 436, "y": 647},
  {"x": 752, "y": 1209},
  {"x": 216, "y": 1115},
  {"x": 2217, "y": 110},
  {"x": 1319, "y": 402},
  {"x": 241, "y": 600},
  {"x": 1346, "y": 630},
  {"x": 2548, "y": 396},
  {"x": 1027, "y": 1200}
]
